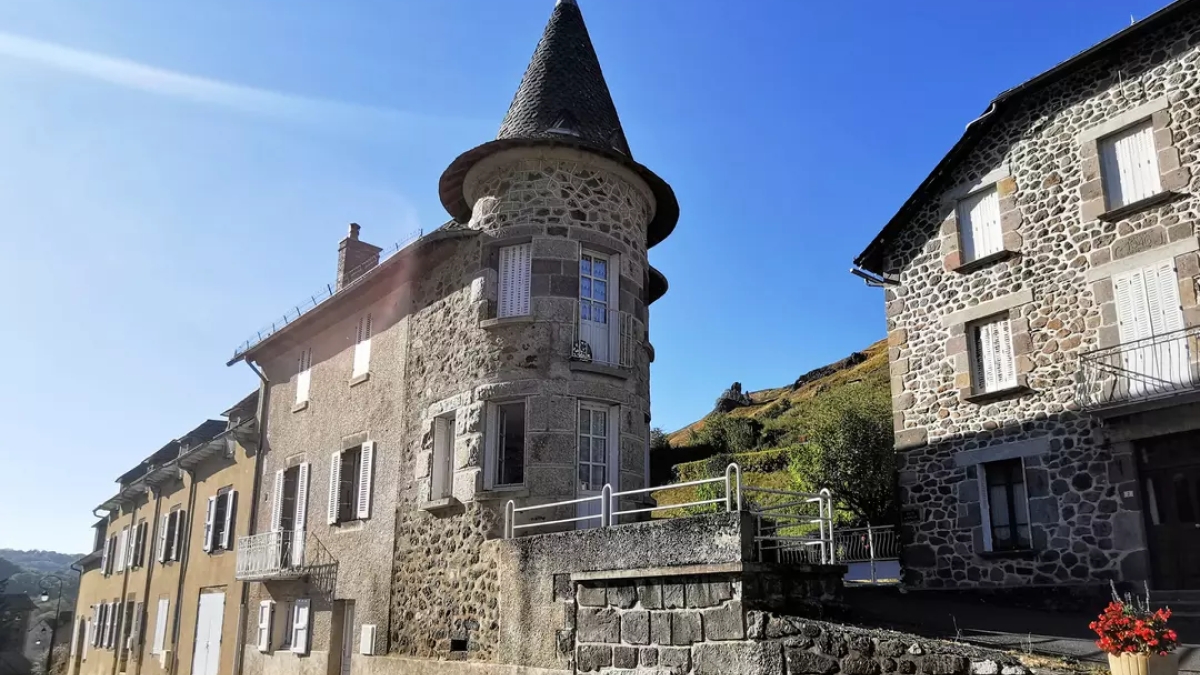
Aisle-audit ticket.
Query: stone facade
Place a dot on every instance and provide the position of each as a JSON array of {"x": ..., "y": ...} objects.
[{"x": 1052, "y": 280}]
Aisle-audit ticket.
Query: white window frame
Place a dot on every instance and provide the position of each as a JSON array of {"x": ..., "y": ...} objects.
[
  {"x": 612, "y": 444},
  {"x": 1129, "y": 169},
  {"x": 441, "y": 479},
  {"x": 979, "y": 230},
  {"x": 362, "y": 488},
  {"x": 303, "y": 375},
  {"x": 492, "y": 445},
  {"x": 985, "y": 509},
  {"x": 514, "y": 274},
  {"x": 362, "y": 346},
  {"x": 219, "y": 538},
  {"x": 990, "y": 350}
]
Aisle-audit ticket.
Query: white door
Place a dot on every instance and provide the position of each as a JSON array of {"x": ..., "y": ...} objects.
[
  {"x": 347, "y": 637},
  {"x": 1148, "y": 313},
  {"x": 594, "y": 297},
  {"x": 595, "y": 443},
  {"x": 206, "y": 658}
]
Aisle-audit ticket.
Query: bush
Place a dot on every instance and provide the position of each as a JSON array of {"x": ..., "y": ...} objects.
[{"x": 728, "y": 434}]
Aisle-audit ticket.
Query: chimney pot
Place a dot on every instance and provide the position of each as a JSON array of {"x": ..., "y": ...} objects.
[
  {"x": 355, "y": 258},
  {"x": 354, "y": 230}
]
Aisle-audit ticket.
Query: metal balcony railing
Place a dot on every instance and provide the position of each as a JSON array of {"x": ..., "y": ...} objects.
[
  {"x": 1156, "y": 367},
  {"x": 607, "y": 339},
  {"x": 271, "y": 555}
]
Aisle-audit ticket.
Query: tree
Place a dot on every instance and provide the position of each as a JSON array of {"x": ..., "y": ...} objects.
[
  {"x": 850, "y": 451},
  {"x": 658, "y": 440},
  {"x": 727, "y": 434}
]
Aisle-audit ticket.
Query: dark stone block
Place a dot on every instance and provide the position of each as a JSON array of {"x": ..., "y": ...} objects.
[
  {"x": 590, "y": 596},
  {"x": 635, "y": 627},
  {"x": 623, "y": 596},
  {"x": 650, "y": 595},
  {"x": 891, "y": 648},
  {"x": 685, "y": 628},
  {"x": 801, "y": 662},
  {"x": 906, "y": 667},
  {"x": 1043, "y": 510},
  {"x": 859, "y": 665},
  {"x": 887, "y": 665},
  {"x": 1136, "y": 566},
  {"x": 625, "y": 657},
  {"x": 725, "y": 622},
  {"x": 648, "y": 657},
  {"x": 945, "y": 664},
  {"x": 544, "y": 266},
  {"x": 833, "y": 645},
  {"x": 862, "y": 644},
  {"x": 660, "y": 628},
  {"x": 920, "y": 555},
  {"x": 591, "y": 658},
  {"x": 673, "y": 596},
  {"x": 599, "y": 625},
  {"x": 675, "y": 660}
]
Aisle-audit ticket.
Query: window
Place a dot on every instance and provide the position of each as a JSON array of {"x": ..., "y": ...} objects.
[
  {"x": 506, "y": 443},
  {"x": 287, "y": 610},
  {"x": 979, "y": 225},
  {"x": 137, "y": 554},
  {"x": 160, "y": 626},
  {"x": 593, "y": 446},
  {"x": 135, "y": 623},
  {"x": 442, "y": 481},
  {"x": 993, "y": 367},
  {"x": 218, "y": 521},
  {"x": 1148, "y": 306},
  {"x": 266, "y": 612},
  {"x": 599, "y": 324},
  {"x": 362, "y": 347},
  {"x": 300, "y": 613},
  {"x": 350, "y": 473},
  {"x": 1129, "y": 165},
  {"x": 1007, "y": 505},
  {"x": 109, "y": 557},
  {"x": 171, "y": 537},
  {"x": 122, "y": 548},
  {"x": 303, "y": 375},
  {"x": 514, "y": 277}
]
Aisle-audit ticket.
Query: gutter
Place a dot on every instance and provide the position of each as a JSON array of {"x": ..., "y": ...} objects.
[
  {"x": 183, "y": 565},
  {"x": 985, "y": 121},
  {"x": 243, "y": 611}
]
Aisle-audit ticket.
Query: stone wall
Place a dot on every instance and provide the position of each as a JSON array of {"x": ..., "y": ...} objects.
[{"x": 1053, "y": 283}]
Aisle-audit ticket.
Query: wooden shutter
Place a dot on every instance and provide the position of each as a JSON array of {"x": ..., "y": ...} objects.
[
  {"x": 162, "y": 539},
  {"x": 302, "y": 497},
  {"x": 335, "y": 480},
  {"x": 1006, "y": 371},
  {"x": 209, "y": 515},
  {"x": 102, "y": 626},
  {"x": 514, "y": 275},
  {"x": 1162, "y": 288},
  {"x": 227, "y": 533},
  {"x": 160, "y": 625},
  {"x": 266, "y": 611},
  {"x": 300, "y": 626},
  {"x": 94, "y": 627},
  {"x": 88, "y": 630},
  {"x": 180, "y": 536},
  {"x": 979, "y": 224},
  {"x": 135, "y": 632},
  {"x": 365, "y": 474},
  {"x": 1133, "y": 314},
  {"x": 139, "y": 545},
  {"x": 277, "y": 502},
  {"x": 303, "y": 375},
  {"x": 362, "y": 347},
  {"x": 1129, "y": 165},
  {"x": 104, "y": 557}
]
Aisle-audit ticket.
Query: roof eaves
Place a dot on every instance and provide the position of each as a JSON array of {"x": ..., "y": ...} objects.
[{"x": 869, "y": 258}]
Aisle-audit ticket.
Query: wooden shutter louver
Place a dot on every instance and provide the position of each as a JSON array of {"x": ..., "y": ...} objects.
[
  {"x": 979, "y": 224},
  {"x": 266, "y": 611},
  {"x": 335, "y": 481},
  {"x": 365, "y": 475},
  {"x": 514, "y": 277},
  {"x": 300, "y": 630},
  {"x": 209, "y": 516},
  {"x": 277, "y": 502},
  {"x": 230, "y": 508},
  {"x": 1129, "y": 165}
]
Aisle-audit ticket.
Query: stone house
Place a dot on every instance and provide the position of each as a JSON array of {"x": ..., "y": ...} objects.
[
  {"x": 158, "y": 594},
  {"x": 503, "y": 356},
  {"x": 1042, "y": 322}
]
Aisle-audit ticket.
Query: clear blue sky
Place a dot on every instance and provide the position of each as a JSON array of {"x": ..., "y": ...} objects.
[{"x": 174, "y": 175}]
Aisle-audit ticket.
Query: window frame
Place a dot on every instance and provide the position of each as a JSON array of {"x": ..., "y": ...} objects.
[
  {"x": 1014, "y": 523},
  {"x": 441, "y": 473},
  {"x": 1109, "y": 159},
  {"x": 494, "y": 442},
  {"x": 303, "y": 376},
  {"x": 343, "y": 506},
  {"x": 519, "y": 301},
  {"x": 219, "y": 521},
  {"x": 362, "y": 346},
  {"x": 966, "y": 230},
  {"x": 977, "y": 357}
]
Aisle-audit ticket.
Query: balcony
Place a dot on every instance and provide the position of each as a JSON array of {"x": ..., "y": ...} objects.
[
  {"x": 603, "y": 338},
  {"x": 1149, "y": 373},
  {"x": 271, "y": 555}
]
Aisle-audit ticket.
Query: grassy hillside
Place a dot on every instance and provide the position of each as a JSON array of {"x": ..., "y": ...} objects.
[{"x": 782, "y": 413}]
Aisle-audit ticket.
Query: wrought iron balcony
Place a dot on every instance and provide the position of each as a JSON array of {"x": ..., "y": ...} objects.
[
  {"x": 603, "y": 336},
  {"x": 1154, "y": 368},
  {"x": 271, "y": 555}
]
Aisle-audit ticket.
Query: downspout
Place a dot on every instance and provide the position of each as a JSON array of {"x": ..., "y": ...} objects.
[
  {"x": 261, "y": 420},
  {"x": 122, "y": 648},
  {"x": 75, "y": 618},
  {"x": 148, "y": 553},
  {"x": 183, "y": 565}
]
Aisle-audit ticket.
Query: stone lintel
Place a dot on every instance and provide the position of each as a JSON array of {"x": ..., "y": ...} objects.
[
  {"x": 988, "y": 308},
  {"x": 995, "y": 453}
]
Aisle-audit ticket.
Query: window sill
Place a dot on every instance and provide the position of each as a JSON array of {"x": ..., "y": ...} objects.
[
  {"x": 599, "y": 369},
  {"x": 441, "y": 505},
  {"x": 987, "y": 396},
  {"x": 985, "y": 261},
  {"x": 506, "y": 321},
  {"x": 1020, "y": 554},
  {"x": 349, "y": 526},
  {"x": 502, "y": 492},
  {"x": 300, "y": 406},
  {"x": 355, "y": 381},
  {"x": 1164, "y": 197}
]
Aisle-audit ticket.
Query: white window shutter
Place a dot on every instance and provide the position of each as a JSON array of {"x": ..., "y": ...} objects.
[
  {"x": 1168, "y": 315},
  {"x": 300, "y": 626},
  {"x": 230, "y": 507},
  {"x": 131, "y": 547},
  {"x": 277, "y": 502},
  {"x": 366, "y": 472},
  {"x": 303, "y": 375},
  {"x": 614, "y": 302},
  {"x": 135, "y": 632},
  {"x": 1129, "y": 165},
  {"x": 180, "y": 536},
  {"x": 162, "y": 539},
  {"x": 335, "y": 481},
  {"x": 209, "y": 515},
  {"x": 1006, "y": 372},
  {"x": 104, "y": 557},
  {"x": 93, "y": 626},
  {"x": 266, "y": 611},
  {"x": 302, "y": 497},
  {"x": 514, "y": 277},
  {"x": 979, "y": 224},
  {"x": 366, "y": 640},
  {"x": 119, "y": 550},
  {"x": 362, "y": 347},
  {"x": 160, "y": 626},
  {"x": 87, "y": 634},
  {"x": 1133, "y": 314}
]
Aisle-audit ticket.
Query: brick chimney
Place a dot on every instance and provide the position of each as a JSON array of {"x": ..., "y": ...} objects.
[{"x": 355, "y": 257}]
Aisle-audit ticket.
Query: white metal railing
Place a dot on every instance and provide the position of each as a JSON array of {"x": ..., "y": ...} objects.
[
  {"x": 871, "y": 544},
  {"x": 617, "y": 350},
  {"x": 797, "y": 528},
  {"x": 605, "y": 515},
  {"x": 269, "y": 555}
]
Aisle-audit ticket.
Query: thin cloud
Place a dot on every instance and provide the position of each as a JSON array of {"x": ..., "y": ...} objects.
[{"x": 251, "y": 100}]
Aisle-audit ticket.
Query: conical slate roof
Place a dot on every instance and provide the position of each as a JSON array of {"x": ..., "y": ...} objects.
[
  {"x": 563, "y": 91},
  {"x": 563, "y": 100}
]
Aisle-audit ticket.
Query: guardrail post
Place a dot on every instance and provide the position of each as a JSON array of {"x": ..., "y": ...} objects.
[
  {"x": 827, "y": 526},
  {"x": 734, "y": 472},
  {"x": 606, "y": 506},
  {"x": 508, "y": 519},
  {"x": 871, "y": 552}
]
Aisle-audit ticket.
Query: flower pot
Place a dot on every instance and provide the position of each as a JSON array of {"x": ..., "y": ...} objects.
[{"x": 1144, "y": 664}]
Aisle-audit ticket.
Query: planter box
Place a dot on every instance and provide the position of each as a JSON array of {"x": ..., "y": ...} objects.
[{"x": 1144, "y": 664}]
